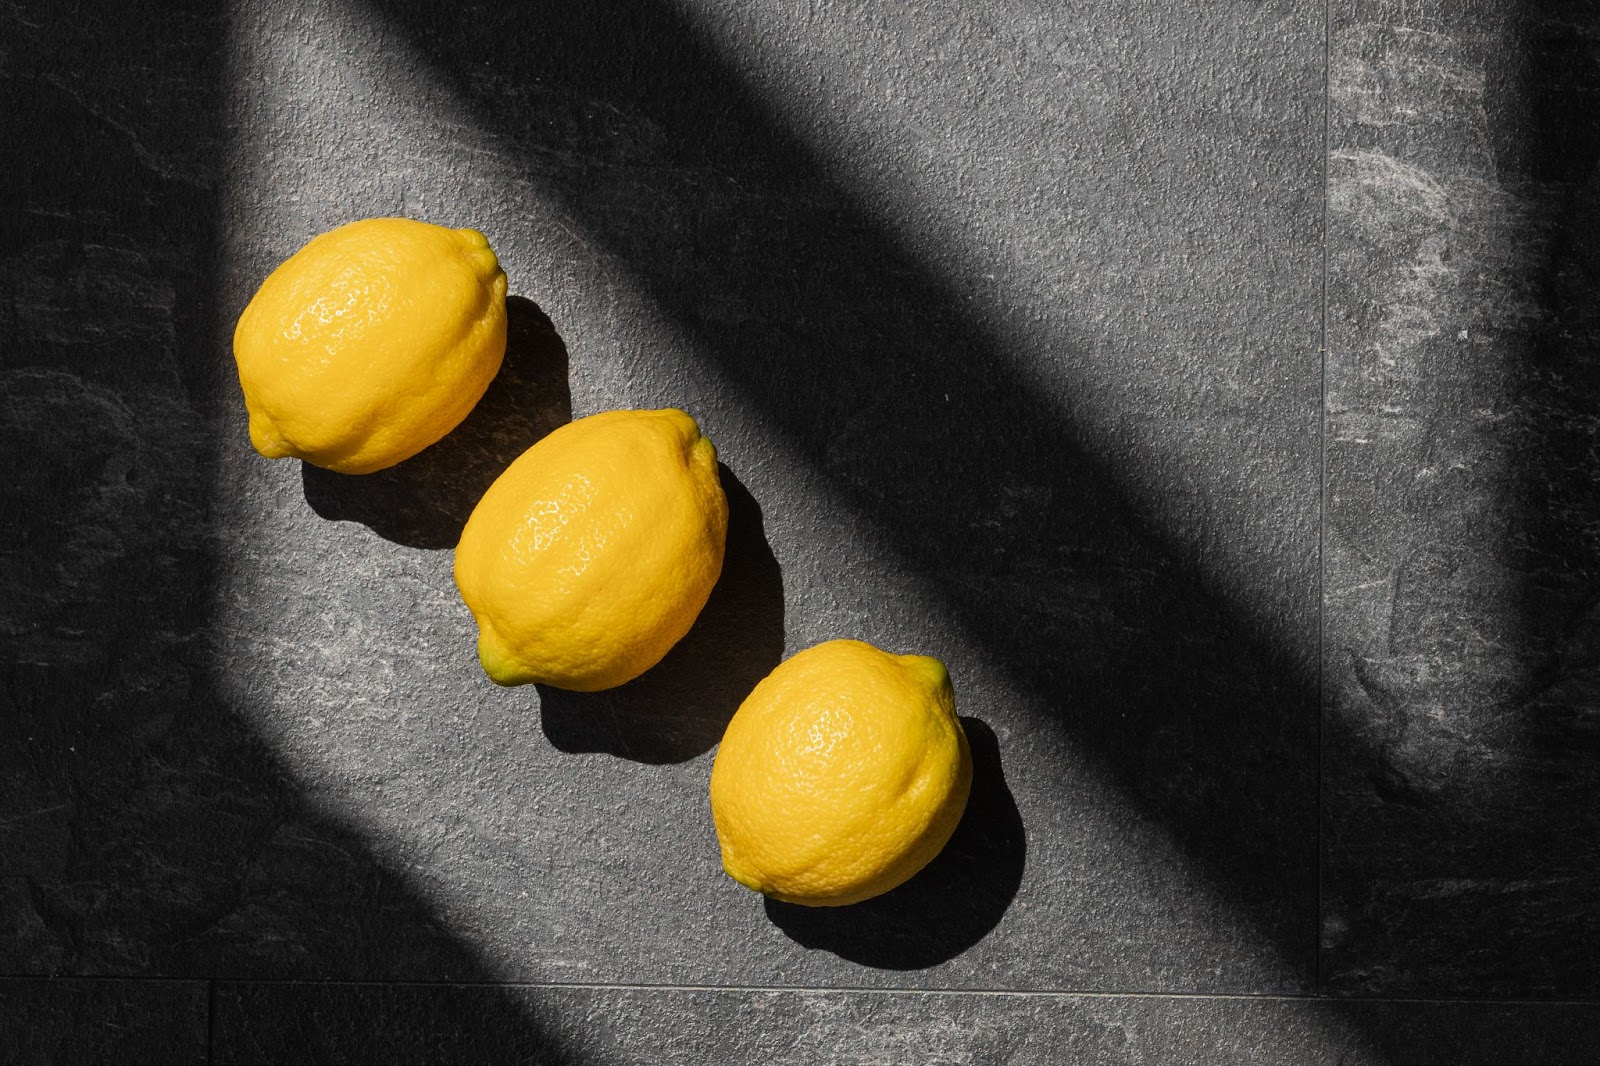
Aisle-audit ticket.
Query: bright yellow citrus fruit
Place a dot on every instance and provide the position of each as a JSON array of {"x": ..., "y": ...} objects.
[
  {"x": 371, "y": 343},
  {"x": 591, "y": 556},
  {"x": 841, "y": 775}
]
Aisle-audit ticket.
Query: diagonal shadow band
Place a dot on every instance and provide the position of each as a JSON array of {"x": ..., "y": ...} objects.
[{"x": 851, "y": 350}]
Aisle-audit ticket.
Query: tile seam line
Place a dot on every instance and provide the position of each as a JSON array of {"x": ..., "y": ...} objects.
[
  {"x": 211, "y": 1020},
  {"x": 1318, "y": 979}
]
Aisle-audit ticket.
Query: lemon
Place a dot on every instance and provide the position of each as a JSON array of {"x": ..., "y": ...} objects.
[
  {"x": 371, "y": 343},
  {"x": 591, "y": 556},
  {"x": 841, "y": 775}
]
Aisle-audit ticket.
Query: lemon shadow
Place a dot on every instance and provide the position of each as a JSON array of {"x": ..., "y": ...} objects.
[
  {"x": 425, "y": 501},
  {"x": 680, "y": 707},
  {"x": 951, "y": 904}
]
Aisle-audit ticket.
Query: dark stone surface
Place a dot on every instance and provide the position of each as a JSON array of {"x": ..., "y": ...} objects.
[
  {"x": 658, "y": 1027},
  {"x": 72, "y": 1022},
  {"x": 1004, "y": 321},
  {"x": 1463, "y": 530}
]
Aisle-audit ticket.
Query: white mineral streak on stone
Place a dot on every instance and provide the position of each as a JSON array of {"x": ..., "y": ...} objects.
[
  {"x": 1393, "y": 201},
  {"x": 1369, "y": 179},
  {"x": 1432, "y": 221},
  {"x": 1437, "y": 224},
  {"x": 1394, "y": 76},
  {"x": 1418, "y": 187}
]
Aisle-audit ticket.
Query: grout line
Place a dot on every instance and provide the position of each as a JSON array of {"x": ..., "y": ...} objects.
[
  {"x": 1322, "y": 479},
  {"x": 211, "y": 1020}
]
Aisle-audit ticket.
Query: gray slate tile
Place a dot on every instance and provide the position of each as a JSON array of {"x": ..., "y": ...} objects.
[
  {"x": 1462, "y": 557},
  {"x": 68, "y": 1022},
  {"x": 1042, "y": 402}
]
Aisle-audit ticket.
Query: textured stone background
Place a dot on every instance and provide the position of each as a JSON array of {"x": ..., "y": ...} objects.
[{"x": 1212, "y": 387}]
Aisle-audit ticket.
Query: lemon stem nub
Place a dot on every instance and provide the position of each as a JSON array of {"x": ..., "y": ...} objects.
[{"x": 498, "y": 662}]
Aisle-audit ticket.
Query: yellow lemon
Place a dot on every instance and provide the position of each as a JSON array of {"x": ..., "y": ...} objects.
[
  {"x": 371, "y": 343},
  {"x": 591, "y": 556},
  {"x": 841, "y": 775}
]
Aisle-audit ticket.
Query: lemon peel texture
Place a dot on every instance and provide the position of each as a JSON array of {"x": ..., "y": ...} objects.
[
  {"x": 593, "y": 553},
  {"x": 370, "y": 343},
  {"x": 842, "y": 774}
]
